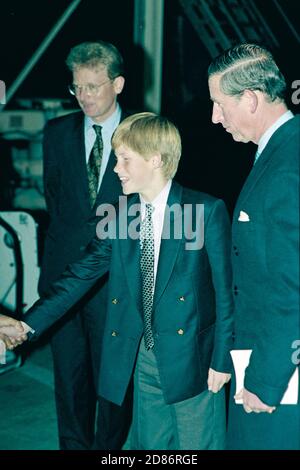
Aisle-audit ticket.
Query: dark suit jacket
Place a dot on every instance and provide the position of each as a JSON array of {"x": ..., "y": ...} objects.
[
  {"x": 192, "y": 308},
  {"x": 265, "y": 260},
  {"x": 72, "y": 221}
]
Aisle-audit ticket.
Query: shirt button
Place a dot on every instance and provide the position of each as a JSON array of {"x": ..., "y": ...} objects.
[
  {"x": 180, "y": 331},
  {"x": 114, "y": 301},
  {"x": 182, "y": 299},
  {"x": 114, "y": 333}
]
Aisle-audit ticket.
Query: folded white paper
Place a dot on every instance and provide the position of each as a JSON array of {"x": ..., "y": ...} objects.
[
  {"x": 241, "y": 357},
  {"x": 243, "y": 217}
]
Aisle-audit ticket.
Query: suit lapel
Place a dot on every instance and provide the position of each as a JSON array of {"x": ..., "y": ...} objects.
[
  {"x": 77, "y": 165},
  {"x": 110, "y": 182},
  {"x": 130, "y": 247},
  {"x": 277, "y": 140},
  {"x": 169, "y": 247},
  {"x": 269, "y": 152},
  {"x": 255, "y": 174},
  {"x": 76, "y": 147}
]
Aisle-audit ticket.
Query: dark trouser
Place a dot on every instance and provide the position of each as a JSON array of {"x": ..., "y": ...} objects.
[
  {"x": 74, "y": 388},
  {"x": 113, "y": 424},
  {"x": 75, "y": 372}
]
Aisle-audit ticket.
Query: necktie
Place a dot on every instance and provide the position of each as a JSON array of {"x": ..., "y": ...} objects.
[
  {"x": 94, "y": 164},
  {"x": 147, "y": 271}
]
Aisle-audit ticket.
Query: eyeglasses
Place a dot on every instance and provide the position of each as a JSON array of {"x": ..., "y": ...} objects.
[{"x": 90, "y": 88}]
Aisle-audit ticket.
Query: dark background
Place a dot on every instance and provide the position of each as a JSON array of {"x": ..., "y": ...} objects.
[{"x": 211, "y": 161}]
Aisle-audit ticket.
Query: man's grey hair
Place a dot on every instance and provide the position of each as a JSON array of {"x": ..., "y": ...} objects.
[
  {"x": 249, "y": 67},
  {"x": 95, "y": 54}
]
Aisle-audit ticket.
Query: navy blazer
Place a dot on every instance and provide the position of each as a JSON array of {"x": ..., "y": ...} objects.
[
  {"x": 265, "y": 260},
  {"x": 192, "y": 307}
]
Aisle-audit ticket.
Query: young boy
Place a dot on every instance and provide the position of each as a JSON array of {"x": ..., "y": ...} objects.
[{"x": 169, "y": 322}]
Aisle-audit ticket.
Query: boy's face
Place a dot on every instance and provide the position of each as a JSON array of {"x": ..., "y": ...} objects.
[{"x": 136, "y": 174}]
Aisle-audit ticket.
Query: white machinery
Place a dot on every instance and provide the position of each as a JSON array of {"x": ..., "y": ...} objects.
[
  {"x": 23, "y": 130},
  {"x": 19, "y": 271}
]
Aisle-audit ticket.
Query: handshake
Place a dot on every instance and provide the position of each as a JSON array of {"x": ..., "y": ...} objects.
[{"x": 12, "y": 333}]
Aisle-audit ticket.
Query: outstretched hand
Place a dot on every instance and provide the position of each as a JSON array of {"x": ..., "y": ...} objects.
[
  {"x": 9, "y": 321},
  {"x": 12, "y": 332}
]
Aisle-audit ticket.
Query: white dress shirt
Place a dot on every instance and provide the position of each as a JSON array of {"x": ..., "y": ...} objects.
[{"x": 159, "y": 204}]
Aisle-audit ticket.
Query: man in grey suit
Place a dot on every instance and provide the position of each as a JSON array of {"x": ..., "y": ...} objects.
[{"x": 247, "y": 90}]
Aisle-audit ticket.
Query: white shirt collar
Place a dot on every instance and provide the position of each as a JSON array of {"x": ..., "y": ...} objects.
[
  {"x": 161, "y": 199},
  {"x": 269, "y": 132},
  {"x": 109, "y": 125}
]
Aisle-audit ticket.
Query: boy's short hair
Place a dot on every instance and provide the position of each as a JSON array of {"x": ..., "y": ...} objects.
[{"x": 149, "y": 134}]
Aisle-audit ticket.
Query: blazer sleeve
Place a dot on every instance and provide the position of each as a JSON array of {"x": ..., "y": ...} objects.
[
  {"x": 77, "y": 280},
  {"x": 271, "y": 364},
  {"x": 218, "y": 246}
]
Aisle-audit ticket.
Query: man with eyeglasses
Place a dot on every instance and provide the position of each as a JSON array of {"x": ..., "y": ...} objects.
[{"x": 78, "y": 177}]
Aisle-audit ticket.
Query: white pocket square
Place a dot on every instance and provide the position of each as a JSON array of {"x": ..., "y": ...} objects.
[{"x": 243, "y": 217}]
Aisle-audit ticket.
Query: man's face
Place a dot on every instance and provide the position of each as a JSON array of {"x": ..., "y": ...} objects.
[
  {"x": 136, "y": 174},
  {"x": 100, "y": 103},
  {"x": 230, "y": 111}
]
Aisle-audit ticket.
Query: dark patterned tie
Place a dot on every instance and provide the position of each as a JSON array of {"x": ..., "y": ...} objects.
[
  {"x": 94, "y": 164},
  {"x": 147, "y": 271}
]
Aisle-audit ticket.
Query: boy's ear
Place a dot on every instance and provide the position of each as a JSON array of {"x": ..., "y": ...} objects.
[{"x": 157, "y": 161}]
